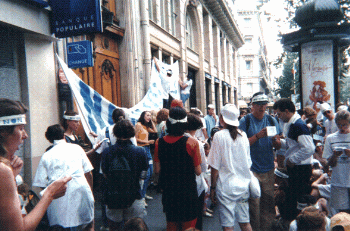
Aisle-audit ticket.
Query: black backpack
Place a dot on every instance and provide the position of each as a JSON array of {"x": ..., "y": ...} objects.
[{"x": 121, "y": 188}]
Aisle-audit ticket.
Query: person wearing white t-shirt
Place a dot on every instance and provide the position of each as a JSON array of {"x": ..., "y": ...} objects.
[
  {"x": 329, "y": 124},
  {"x": 185, "y": 89},
  {"x": 230, "y": 163},
  {"x": 337, "y": 151}
]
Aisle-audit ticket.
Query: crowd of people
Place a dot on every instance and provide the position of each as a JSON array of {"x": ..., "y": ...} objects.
[{"x": 200, "y": 164}]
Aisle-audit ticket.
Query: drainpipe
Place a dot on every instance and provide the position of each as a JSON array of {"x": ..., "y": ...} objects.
[{"x": 146, "y": 43}]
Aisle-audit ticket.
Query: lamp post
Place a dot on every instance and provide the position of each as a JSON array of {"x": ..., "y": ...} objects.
[{"x": 318, "y": 42}]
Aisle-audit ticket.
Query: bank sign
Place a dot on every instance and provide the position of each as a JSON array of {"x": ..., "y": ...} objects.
[
  {"x": 75, "y": 17},
  {"x": 79, "y": 54}
]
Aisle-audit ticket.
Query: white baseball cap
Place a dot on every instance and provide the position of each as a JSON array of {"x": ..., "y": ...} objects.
[
  {"x": 211, "y": 106},
  {"x": 325, "y": 107},
  {"x": 230, "y": 114}
]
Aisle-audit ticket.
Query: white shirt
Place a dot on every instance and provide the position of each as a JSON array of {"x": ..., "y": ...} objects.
[
  {"x": 232, "y": 159},
  {"x": 330, "y": 126},
  {"x": 341, "y": 172},
  {"x": 199, "y": 133},
  {"x": 76, "y": 207},
  {"x": 188, "y": 88}
]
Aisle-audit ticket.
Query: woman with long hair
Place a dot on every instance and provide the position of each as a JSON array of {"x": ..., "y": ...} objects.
[
  {"x": 177, "y": 161},
  {"x": 230, "y": 163},
  {"x": 143, "y": 127},
  {"x": 12, "y": 135}
]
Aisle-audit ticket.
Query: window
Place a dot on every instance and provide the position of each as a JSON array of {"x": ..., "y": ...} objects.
[
  {"x": 248, "y": 40},
  {"x": 250, "y": 88},
  {"x": 248, "y": 64},
  {"x": 189, "y": 32},
  {"x": 150, "y": 9},
  {"x": 173, "y": 17}
]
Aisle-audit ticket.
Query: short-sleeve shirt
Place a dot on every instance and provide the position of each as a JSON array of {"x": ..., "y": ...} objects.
[
  {"x": 341, "y": 172},
  {"x": 192, "y": 147},
  {"x": 261, "y": 151},
  {"x": 76, "y": 207},
  {"x": 188, "y": 88},
  {"x": 210, "y": 123},
  {"x": 232, "y": 159}
]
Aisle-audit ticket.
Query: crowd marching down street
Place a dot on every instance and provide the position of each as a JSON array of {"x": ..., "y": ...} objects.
[{"x": 278, "y": 169}]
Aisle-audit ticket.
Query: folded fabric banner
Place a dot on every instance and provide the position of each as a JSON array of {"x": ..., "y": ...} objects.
[{"x": 96, "y": 111}]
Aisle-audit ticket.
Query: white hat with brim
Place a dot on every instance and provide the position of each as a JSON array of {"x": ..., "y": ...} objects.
[
  {"x": 211, "y": 106},
  {"x": 325, "y": 107},
  {"x": 260, "y": 99},
  {"x": 230, "y": 114}
]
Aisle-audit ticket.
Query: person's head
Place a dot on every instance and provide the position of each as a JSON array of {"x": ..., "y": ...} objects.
[
  {"x": 194, "y": 122},
  {"x": 124, "y": 129},
  {"x": 135, "y": 224},
  {"x": 12, "y": 122},
  {"x": 342, "y": 107},
  {"x": 242, "y": 113},
  {"x": 284, "y": 109},
  {"x": 206, "y": 148},
  {"x": 311, "y": 219},
  {"x": 309, "y": 112},
  {"x": 118, "y": 114},
  {"x": 177, "y": 122},
  {"x": 340, "y": 222},
  {"x": 54, "y": 132},
  {"x": 162, "y": 115},
  {"x": 154, "y": 116},
  {"x": 319, "y": 147},
  {"x": 342, "y": 119},
  {"x": 327, "y": 111},
  {"x": 71, "y": 121},
  {"x": 281, "y": 176},
  {"x": 229, "y": 119},
  {"x": 177, "y": 103},
  {"x": 195, "y": 111},
  {"x": 259, "y": 103},
  {"x": 211, "y": 109},
  {"x": 146, "y": 118}
]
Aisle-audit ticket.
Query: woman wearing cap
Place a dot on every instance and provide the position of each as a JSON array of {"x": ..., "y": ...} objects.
[
  {"x": 177, "y": 160},
  {"x": 230, "y": 162},
  {"x": 13, "y": 134}
]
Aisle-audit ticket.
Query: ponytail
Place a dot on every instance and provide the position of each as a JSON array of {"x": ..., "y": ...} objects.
[{"x": 233, "y": 131}]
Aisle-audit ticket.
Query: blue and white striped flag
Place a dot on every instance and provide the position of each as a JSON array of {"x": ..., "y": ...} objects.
[{"x": 96, "y": 111}]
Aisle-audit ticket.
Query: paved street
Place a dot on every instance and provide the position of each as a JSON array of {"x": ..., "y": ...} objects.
[{"x": 155, "y": 218}]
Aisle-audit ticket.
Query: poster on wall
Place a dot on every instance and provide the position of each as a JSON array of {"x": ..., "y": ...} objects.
[
  {"x": 317, "y": 73},
  {"x": 75, "y": 17}
]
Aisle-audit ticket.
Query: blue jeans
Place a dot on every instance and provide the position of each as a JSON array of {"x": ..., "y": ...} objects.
[
  {"x": 149, "y": 172},
  {"x": 184, "y": 98}
]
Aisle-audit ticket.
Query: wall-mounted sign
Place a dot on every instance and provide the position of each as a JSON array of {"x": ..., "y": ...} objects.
[
  {"x": 79, "y": 54},
  {"x": 216, "y": 80},
  {"x": 208, "y": 76},
  {"x": 317, "y": 73},
  {"x": 75, "y": 17},
  {"x": 37, "y": 3}
]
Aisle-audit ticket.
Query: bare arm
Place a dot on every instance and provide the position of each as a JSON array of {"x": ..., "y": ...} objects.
[
  {"x": 89, "y": 179},
  {"x": 214, "y": 178},
  {"x": 257, "y": 136},
  {"x": 10, "y": 209},
  {"x": 198, "y": 170},
  {"x": 155, "y": 62},
  {"x": 156, "y": 168}
]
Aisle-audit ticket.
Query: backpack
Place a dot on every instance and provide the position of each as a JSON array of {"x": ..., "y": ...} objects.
[{"x": 121, "y": 187}]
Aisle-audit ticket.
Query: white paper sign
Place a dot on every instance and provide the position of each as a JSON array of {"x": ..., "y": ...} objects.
[{"x": 271, "y": 130}]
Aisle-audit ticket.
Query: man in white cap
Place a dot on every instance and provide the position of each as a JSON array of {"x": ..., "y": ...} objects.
[
  {"x": 262, "y": 211},
  {"x": 210, "y": 119},
  {"x": 329, "y": 124}
]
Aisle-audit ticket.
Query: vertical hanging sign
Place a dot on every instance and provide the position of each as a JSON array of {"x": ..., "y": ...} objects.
[{"x": 75, "y": 17}]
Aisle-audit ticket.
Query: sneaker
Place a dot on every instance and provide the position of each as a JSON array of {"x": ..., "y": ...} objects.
[{"x": 148, "y": 197}]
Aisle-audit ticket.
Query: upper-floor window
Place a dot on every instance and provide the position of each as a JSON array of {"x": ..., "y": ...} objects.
[
  {"x": 248, "y": 64},
  {"x": 150, "y": 9},
  {"x": 173, "y": 17},
  {"x": 248, "y": 40},
  {"x": 189, "y": 32}
]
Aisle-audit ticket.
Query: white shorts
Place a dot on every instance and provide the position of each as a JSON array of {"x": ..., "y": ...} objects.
[
  {"x": 234, "y": 210},
  {"x": 137, "y": 209},
  {"x": 339, "y": 198}
]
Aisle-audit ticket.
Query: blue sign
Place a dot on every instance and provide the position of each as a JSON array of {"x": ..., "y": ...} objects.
[
  {"x": 37, "y": 3},
  {"x": 79, "y": 54},
  {"x": 75, "y": 17}
]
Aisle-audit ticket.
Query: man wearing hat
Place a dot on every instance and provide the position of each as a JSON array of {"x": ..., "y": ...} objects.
[
  {"x": 210, "y": 119},
  {"x": 262, "y": 210},
  {"x": 329, "y": 124}
]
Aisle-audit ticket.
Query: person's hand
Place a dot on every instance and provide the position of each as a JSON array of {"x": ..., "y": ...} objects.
[
  {"x": 276, "y": 142},
  {"x": 213, "y": 195},
  {"x": 58, "y": 188},
  {"x": 151, "y": 142},
  {"x": 337, "y": 153},
  {"x": 262, "y": 133},
  {"x": 93, "y": 134},
  {"x": 17, "y": 165},
  {"x": 347, "y": 152},
  {"x": 98, "y": 145}
]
